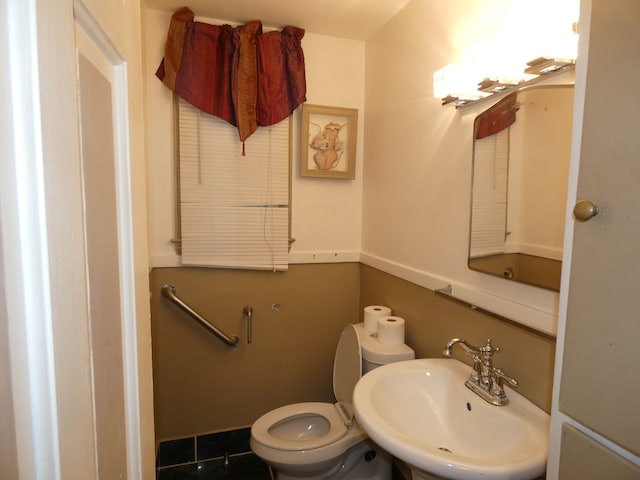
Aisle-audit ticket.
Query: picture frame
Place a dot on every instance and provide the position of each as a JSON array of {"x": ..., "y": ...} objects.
[{"x": 328, "y": 142}]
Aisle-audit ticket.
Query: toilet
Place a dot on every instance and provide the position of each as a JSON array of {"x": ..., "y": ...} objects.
[{"x": 317, "y": 441}]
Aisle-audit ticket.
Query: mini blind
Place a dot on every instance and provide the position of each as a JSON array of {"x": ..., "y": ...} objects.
[
  {"x": 490, "y": 183},
  {"x": 234, "y": 209}
]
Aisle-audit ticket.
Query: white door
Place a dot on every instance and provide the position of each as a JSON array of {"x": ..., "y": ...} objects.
[
  {"x": 595, "y": 418},
  {"x": 74, "y": 290}
]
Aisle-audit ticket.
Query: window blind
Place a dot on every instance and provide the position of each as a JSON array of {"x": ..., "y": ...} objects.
[
  {"x": 234, "y": 209},
  {"x": 490, "y": 182}
]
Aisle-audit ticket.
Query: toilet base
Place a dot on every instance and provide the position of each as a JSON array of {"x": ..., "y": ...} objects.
[{"x": 364, "y": 461}]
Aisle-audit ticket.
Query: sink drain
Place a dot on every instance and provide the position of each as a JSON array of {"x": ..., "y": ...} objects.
[{"x": 445, "y": 449}]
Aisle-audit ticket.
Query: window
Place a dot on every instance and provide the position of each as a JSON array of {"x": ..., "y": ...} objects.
[{"x": 234, "y": 208}]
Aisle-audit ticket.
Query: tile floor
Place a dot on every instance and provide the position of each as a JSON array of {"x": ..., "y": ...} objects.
[{"x": 216, "y": 456}]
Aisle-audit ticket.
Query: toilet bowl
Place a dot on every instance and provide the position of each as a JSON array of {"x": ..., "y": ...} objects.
[
  {"x": 316, "y": 440},
  {"x": 304, "y": 439}
]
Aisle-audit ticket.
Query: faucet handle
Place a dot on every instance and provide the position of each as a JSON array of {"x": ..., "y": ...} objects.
[
  {"x": 497, "y": 389},
  {"x": 499, "y": 375}
]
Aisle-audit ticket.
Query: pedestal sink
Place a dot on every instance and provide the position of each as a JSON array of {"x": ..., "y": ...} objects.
[{"x": 421, "y": 412}]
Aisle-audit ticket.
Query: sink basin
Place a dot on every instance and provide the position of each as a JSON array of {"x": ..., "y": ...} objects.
[{"x": 421, "y": 412}]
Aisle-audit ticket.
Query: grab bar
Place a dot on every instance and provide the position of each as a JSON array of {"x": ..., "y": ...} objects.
[
  {"x": 169, "y": 291},
  {"x": 248, "y": 312}
]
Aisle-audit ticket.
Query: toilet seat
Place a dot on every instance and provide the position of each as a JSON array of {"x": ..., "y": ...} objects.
[
  {"x": 263, "y": 429},
  {"x": 311, "y": 439},
  {"x": 284, "y": 428}
]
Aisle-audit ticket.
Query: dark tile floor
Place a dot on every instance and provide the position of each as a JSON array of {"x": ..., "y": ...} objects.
[
  {"x": 239, "y": 467},
  {"x": 218, "y": 456}
]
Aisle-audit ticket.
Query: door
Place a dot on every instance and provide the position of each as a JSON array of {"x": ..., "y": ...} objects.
[
  {"x": 74, "y": 286},
  {"x": 597, "y": 392}
]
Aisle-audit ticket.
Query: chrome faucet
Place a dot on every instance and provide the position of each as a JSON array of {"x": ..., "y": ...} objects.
[{"x": 485, "y": 380}]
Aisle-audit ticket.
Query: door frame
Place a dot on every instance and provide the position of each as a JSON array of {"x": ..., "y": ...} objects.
[
  {"x": 43, "y": 283},
  {"x": 94, "y": 44}
]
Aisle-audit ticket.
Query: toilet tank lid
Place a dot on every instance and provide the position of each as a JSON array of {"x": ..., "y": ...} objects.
[{"x": 376, "y": 352}]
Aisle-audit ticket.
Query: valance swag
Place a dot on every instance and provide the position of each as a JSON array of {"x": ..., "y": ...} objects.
[
  {"x": 246, "y": 77},
  {"x": 501, "y": 116}
]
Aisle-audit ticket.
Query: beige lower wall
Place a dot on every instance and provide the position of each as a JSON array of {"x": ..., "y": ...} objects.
[
  {"x": 432, "y": 320},
  {"x": 201, "y": 385}
]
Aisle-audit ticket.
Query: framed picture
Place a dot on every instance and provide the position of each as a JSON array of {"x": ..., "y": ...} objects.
[{"x": 328, "y": 142}]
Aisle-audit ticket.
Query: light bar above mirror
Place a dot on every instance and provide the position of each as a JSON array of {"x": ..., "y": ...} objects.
[{"x": 453, "y": 79}]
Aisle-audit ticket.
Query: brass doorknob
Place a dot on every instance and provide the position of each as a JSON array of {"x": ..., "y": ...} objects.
[{"x": 585, "y": 210}]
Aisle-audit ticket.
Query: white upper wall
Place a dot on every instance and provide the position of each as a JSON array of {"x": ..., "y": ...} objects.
[
  {"x": 417, "y": 178},
  {"x": 407, "y": 211},
  {"x": 326, "y": 214}
]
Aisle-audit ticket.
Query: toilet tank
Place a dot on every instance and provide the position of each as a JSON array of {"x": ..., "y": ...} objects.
[
  {"x": 376, "y": 354},
  {"x": 357, "y": 353}
]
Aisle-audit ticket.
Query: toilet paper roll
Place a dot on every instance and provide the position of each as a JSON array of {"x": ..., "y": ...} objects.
[
  {"x": 391, "y": 330},
  {"x": 371, "y": 315}
]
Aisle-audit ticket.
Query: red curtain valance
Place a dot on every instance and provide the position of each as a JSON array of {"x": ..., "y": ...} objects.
[
  {"x": 499, "y": 117},
  {"x": 239, "y": 74}
]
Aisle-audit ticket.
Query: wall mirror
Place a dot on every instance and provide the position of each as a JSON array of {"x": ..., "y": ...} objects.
[{"x": 521, "y": 153}]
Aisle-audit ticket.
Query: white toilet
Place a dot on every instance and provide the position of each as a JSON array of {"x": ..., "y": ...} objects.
[{"x": 317, "y": 441}]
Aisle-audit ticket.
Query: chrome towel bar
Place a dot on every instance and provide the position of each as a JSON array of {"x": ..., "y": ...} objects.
[{"x": 169, "y": 291}]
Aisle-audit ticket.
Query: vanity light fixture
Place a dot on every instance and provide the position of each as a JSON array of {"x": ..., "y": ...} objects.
[
  {"x": 457, "y": 84},
  {"x": 452, "y": 86},
  {"x": 455, "y": 101},
  {"x": 545, "y": 65},
  {"x": 498, "y": 58},
  {"x": 490, "y": 85},
  {"x": 452, "y": 83}
]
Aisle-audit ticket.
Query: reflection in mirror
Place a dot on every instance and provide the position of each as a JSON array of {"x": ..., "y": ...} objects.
[{"x": 521, "y": 155}]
